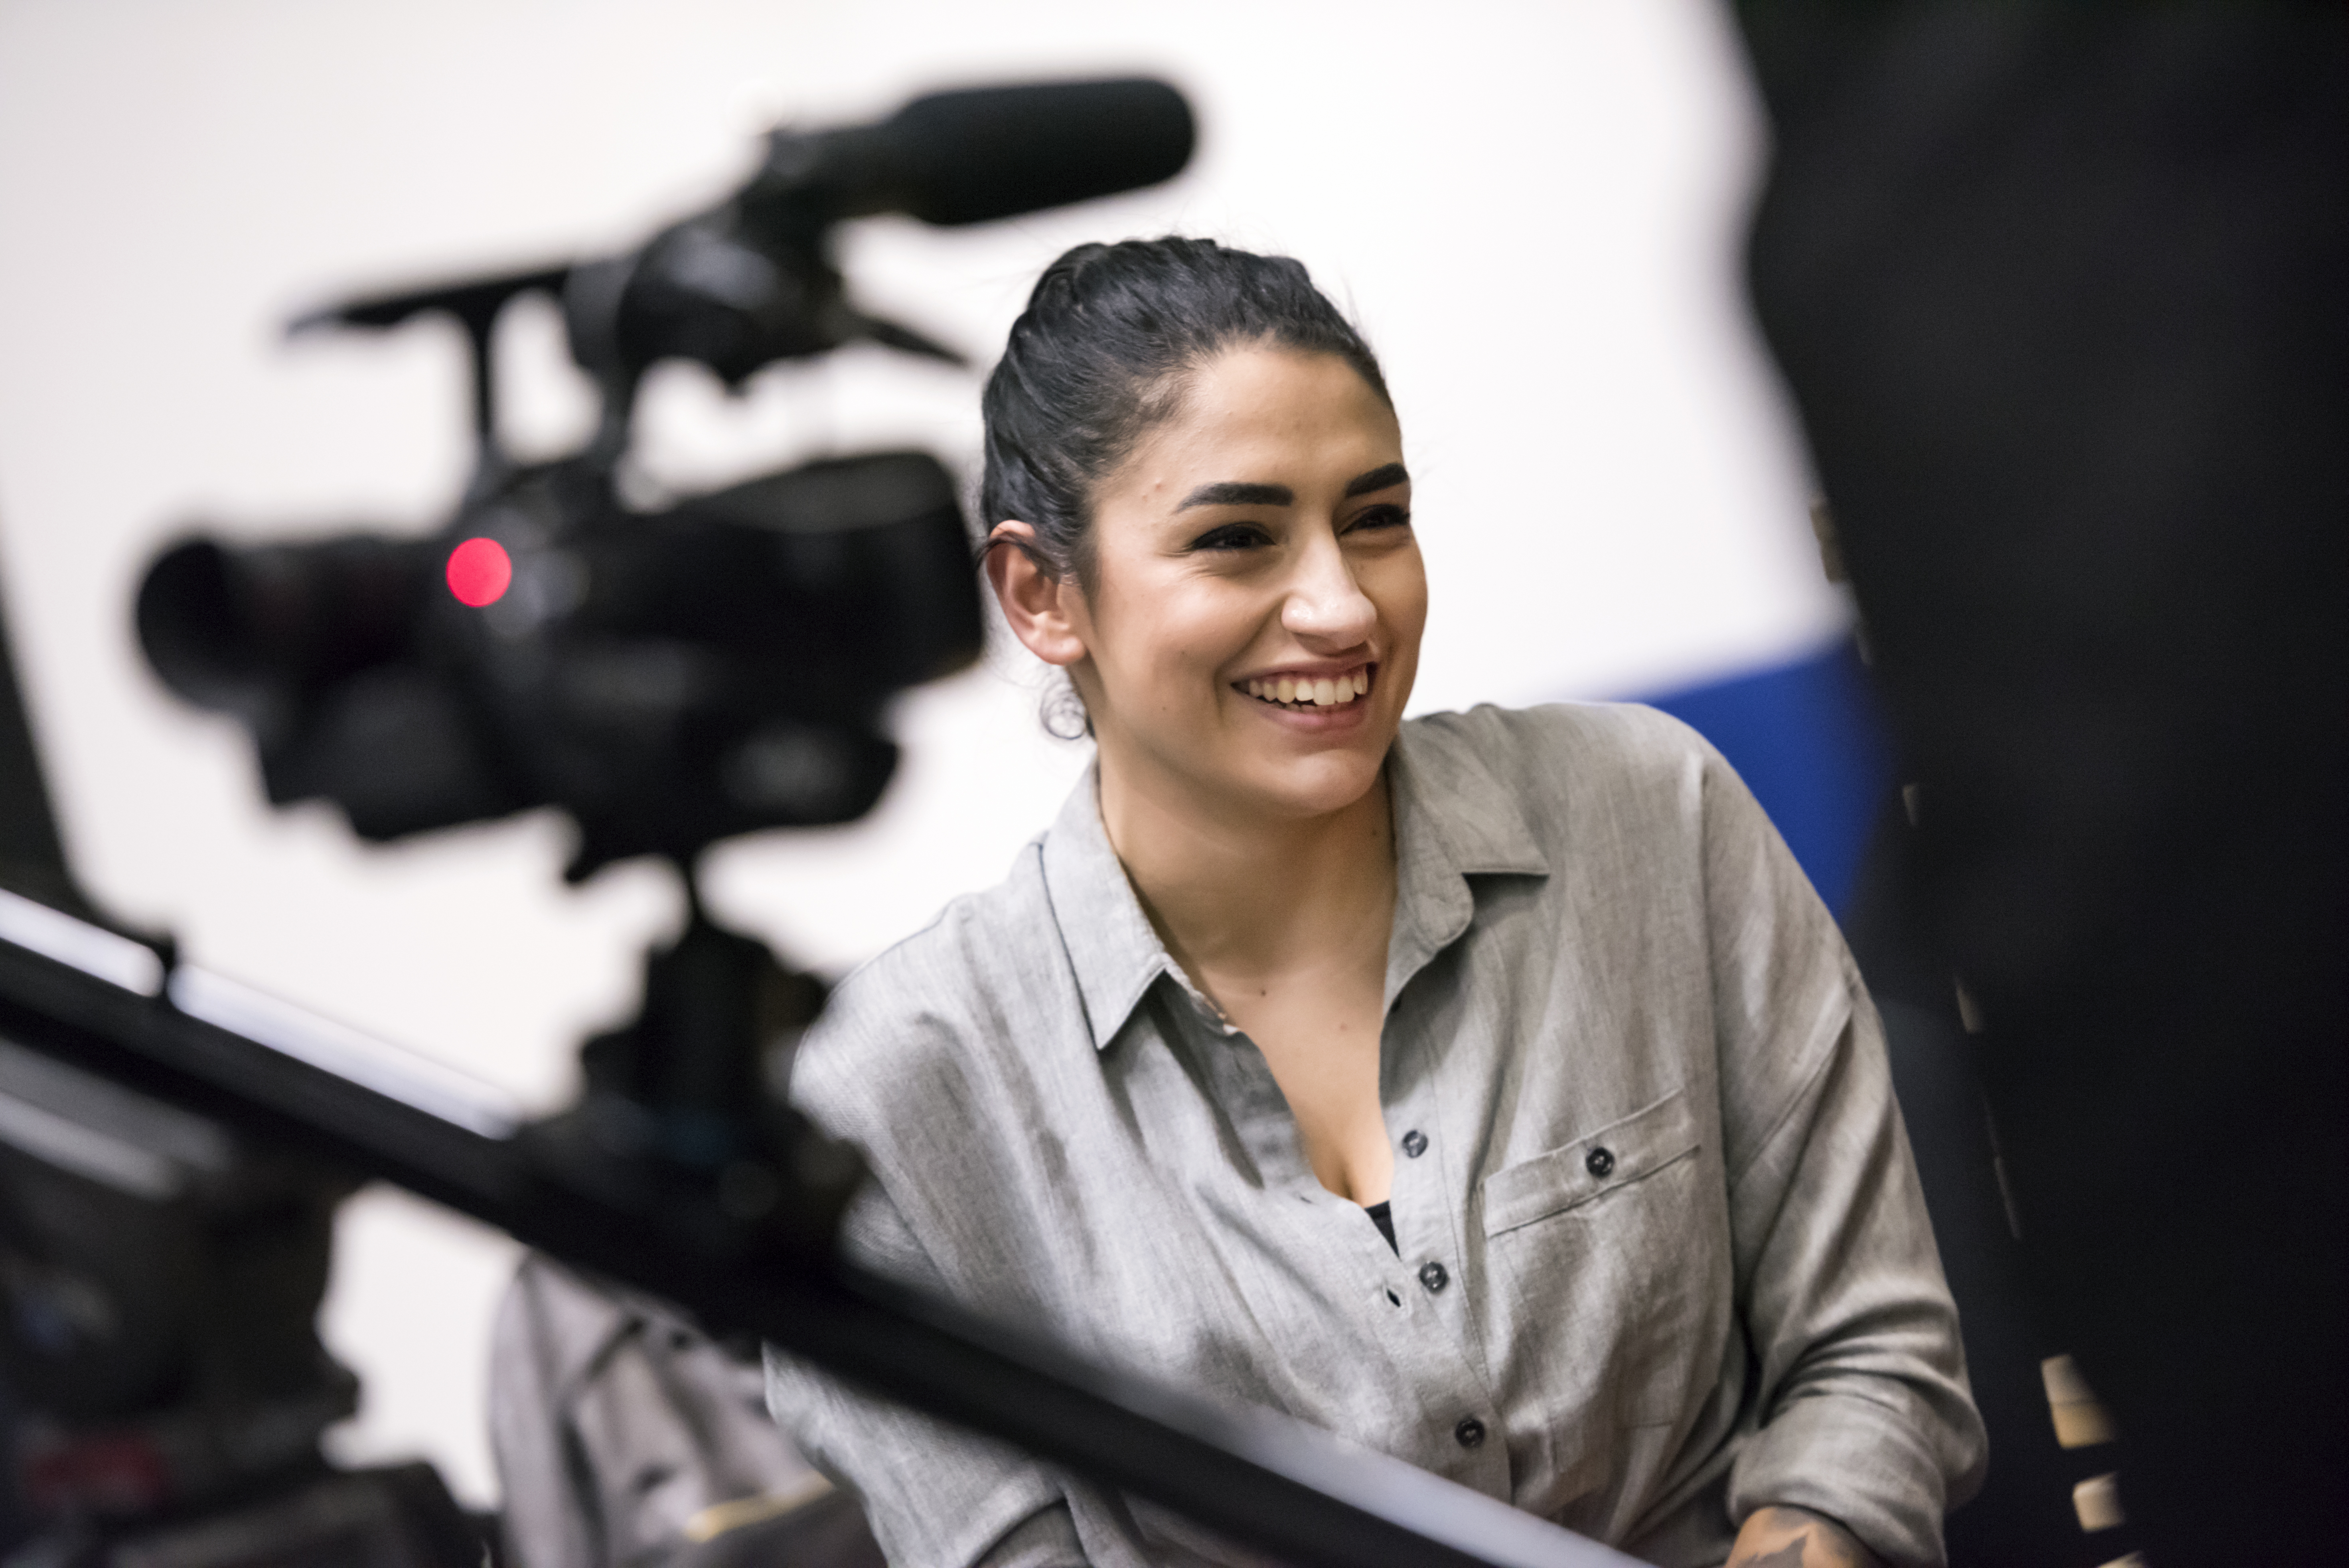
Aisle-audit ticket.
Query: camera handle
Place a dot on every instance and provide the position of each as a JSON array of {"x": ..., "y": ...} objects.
[{"x": 726, "y": 290}]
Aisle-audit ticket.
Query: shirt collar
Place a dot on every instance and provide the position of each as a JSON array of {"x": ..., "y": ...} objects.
[
  {"x": 1452, "y": 820},
  {"x": 1111, "y": 944}
]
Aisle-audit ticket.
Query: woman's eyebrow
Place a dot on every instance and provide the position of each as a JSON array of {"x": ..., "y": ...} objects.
[
  {"x": 1236, "y": 492},
  {"x": 1233, "y": 493}
]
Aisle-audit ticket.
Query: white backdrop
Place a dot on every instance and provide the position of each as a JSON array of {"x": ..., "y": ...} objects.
[{"x": 1533, "y": 208}]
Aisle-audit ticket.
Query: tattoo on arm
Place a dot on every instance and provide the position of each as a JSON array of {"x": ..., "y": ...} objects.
[{"x": 1784, "y": 1537}]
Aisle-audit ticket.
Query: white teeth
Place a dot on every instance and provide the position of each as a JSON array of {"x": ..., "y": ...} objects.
[{"x": 1323, "y": 691}]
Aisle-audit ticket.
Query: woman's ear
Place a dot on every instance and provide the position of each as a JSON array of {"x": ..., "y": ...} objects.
[{"x": 1046, "y": 612}]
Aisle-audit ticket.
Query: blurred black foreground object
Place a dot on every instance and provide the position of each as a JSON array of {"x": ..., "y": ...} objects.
[
  {"x": 2062, "y": 295},
  {"x": 668, "y": 678},
  {"x": 162, "y": 1388},
  {"x": 2025, "y": 1512}
]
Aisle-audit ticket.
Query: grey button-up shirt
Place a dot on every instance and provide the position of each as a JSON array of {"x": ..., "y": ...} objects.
[{"x": 1660, "y": 1238}]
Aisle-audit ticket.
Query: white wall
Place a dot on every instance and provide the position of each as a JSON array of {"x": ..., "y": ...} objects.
[{"x": 1532, "y": 207}]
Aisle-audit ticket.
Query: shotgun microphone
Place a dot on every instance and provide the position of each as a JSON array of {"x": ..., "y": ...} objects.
[{"x": 981, "y": 153}]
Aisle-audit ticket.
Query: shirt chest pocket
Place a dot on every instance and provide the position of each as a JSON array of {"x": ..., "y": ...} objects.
[
  {"x": 1609, "y": 1238},
  {"x": 1590, "y": 1167}
]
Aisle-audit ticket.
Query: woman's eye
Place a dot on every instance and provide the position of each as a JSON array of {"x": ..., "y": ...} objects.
[
  {"x": 1381, "y": 517},
  {"x": 1230, "y": 536}
]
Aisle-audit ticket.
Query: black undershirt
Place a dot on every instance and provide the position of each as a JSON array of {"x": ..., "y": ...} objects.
[{"x": 1383, "y": 1216}]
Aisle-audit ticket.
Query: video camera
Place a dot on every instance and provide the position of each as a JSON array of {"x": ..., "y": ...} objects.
[{"x": 668, "y": 678}]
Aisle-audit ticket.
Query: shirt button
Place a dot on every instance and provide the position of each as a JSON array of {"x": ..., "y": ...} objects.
[
  {"x": 1431, "y": 1275},
  {"x": 1469, "y": 1433},
  {"x": 1414, "y": 1143},
  {"x": 1598, "y": 1162}
]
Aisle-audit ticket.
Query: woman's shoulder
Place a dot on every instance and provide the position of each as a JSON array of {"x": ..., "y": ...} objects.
[
  {"x": 1586, "y": 744},
  {"x": 911, "y": 1020},
  {"x": 1582, "y": 774}
]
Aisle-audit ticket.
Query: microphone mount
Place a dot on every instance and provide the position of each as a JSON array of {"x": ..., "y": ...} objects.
[{"x": 750, "y": 281}]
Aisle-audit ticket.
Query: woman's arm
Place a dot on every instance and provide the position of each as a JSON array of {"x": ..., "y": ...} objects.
[
  {"x": 1798, "y": 1538},
  {"x": 1858, "y": 1370}
]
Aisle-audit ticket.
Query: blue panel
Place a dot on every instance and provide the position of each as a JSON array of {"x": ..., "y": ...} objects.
[{"x": 1808, "y": 742}]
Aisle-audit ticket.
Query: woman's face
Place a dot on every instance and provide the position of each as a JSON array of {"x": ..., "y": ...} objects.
[{"x": 1252, "y": 629}]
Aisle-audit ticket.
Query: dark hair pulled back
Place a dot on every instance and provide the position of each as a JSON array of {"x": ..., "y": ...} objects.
[{"x": 1103, "y": 354}]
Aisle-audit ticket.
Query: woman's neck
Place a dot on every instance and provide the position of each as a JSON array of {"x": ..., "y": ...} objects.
[{"x": 1236, "y": 894}]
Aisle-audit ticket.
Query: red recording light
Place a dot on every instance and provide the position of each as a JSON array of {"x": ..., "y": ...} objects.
[{"x": 478, "y": 572}]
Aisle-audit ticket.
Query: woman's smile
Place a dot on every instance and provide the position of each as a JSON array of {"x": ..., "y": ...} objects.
[
  {"x": 1303, "y": 690},
  {"x": 1313, "y": 702}
]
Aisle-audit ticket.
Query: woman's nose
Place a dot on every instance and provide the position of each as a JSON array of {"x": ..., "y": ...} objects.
[{"x": 1325, "y": 604}]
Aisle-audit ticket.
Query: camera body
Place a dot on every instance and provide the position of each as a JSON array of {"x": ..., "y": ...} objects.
[{"x": 668, "y": 679}]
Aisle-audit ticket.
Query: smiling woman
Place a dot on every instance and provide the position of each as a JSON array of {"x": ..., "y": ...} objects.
[{"x": 1489, "y": 1089}]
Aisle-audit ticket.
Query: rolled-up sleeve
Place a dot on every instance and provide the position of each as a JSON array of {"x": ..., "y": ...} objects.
[
  {"x": 1868, "y": 1419},
  {"x": 1866, "y": 1414}
]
